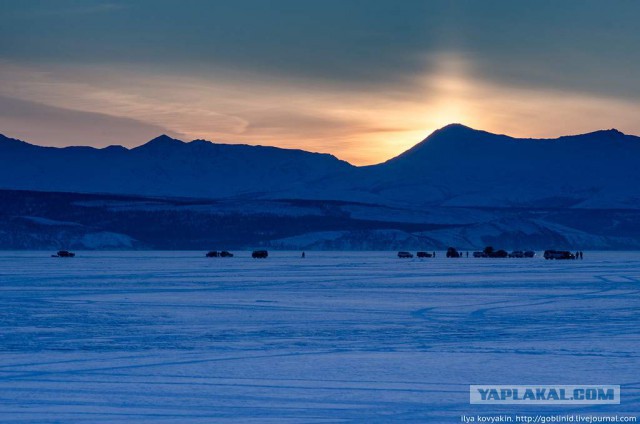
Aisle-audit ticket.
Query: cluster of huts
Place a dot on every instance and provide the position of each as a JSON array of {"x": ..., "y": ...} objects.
[
  {"x": 256, "y": 254},
  {"x": 562, "y": 254},
  {"x": 418, "y": 254},
  {"x": 490, "y": 252}
]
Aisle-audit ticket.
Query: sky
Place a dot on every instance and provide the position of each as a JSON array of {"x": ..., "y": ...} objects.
[{"x": 361, "y": 79}]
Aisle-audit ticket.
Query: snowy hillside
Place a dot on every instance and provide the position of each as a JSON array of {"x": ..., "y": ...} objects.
[{"x": 46, "y": 220}]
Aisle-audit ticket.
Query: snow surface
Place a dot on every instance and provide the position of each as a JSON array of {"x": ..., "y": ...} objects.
[
  {"x": 52, "y": 222},
  {"x": 335, "y": 337}
]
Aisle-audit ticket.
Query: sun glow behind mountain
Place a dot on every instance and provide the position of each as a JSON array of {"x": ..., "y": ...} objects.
[
  {"x": 363, "y": 126},
  {"x": 384, "y": 79}
]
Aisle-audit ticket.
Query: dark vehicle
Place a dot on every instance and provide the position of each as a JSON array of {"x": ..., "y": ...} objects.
[
  {"x": 491, "y": 253},
  {"x": 529, "y": 254},
  {"x": 63, "y": 254},
  {"x": 215, "y": 254},
  {"x": 500, "y": 254},
  {"x": 259, "y": 254},
  {"x": 479, "y": 255},
  {"x": 558, "y": 254},
  {"x": 405, "y": 255},
  {"x": 424, "y": 255},
  {"x": 453, "y": 253}
]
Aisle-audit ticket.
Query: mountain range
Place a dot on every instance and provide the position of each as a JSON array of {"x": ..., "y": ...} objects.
[
  {"x": 458, "y": 186},
  {"x": 454, "y": 166}
]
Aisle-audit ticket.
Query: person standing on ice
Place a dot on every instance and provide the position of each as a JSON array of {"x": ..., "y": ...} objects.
[{"x": 303, "y": 255}]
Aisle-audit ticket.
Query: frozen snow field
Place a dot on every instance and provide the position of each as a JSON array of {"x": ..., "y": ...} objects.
[{"x": 335, "y": 337}]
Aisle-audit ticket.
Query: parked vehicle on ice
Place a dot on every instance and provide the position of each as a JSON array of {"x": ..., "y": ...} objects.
[
  {"x": 479, "y": 255},
  {"x": 452, "y": 252},
  {"x": 490, "y": 252},
  {"x": 63, "y": 254},
  {"x": 424, "y": 255},
  {"x": 259, "y": 254},
  {"x": 529, "y": 254},
  {"x": 558, "y": 254},
  {"x": 405, "y": 255},
  {"x": 216, "y": 254}
]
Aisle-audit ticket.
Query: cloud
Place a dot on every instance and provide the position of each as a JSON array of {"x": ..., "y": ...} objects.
[
  {"x": 225, "y": 107},
  {"x": 580, "y": 45},
  {"x": 363, "y": 79},
  {"x": 53, "y": 126},
  {"x": 363, "y": 125},
  {"x": 63, "y": 8}
]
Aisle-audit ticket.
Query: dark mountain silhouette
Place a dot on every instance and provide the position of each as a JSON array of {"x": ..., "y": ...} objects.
[
  {"x": 459, "y": 166},
  {"x": 454, "y": 166},
  {"x": 163, "y": 167}
]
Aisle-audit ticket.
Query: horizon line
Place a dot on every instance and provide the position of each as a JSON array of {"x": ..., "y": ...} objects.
[{"x": 451, "y": 125}]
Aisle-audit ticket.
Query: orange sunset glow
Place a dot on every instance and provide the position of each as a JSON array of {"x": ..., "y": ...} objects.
[{"x": 372, "y": 113}]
